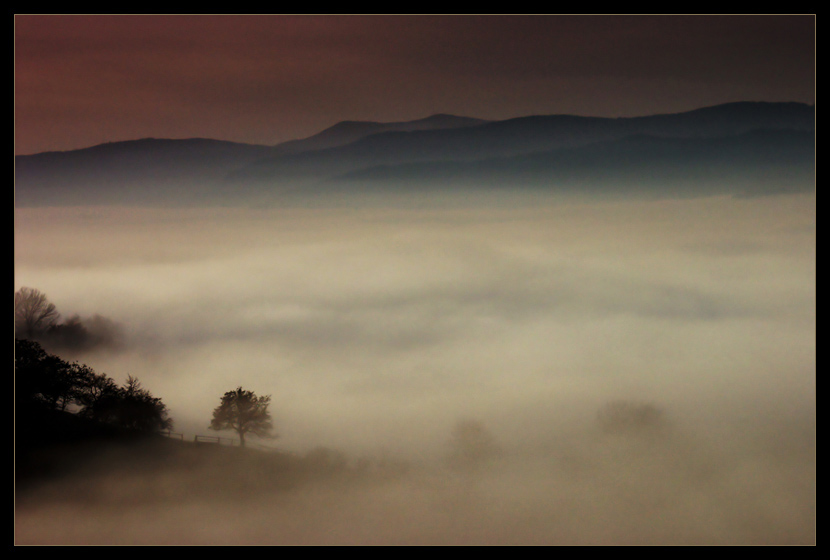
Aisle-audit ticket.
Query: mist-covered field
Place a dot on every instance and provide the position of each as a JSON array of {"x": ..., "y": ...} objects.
[{"x": 376, "y": 329}]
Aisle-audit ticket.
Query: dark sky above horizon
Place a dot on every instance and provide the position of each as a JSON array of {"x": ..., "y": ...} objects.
[{"x": 85, "y": 80}]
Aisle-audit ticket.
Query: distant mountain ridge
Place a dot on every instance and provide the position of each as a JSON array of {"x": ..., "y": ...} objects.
[
  {"x": 524, "y": 135},
  {"x": 538, "y": 149},
  {"x": 639, "y": 162},
  {"x": 346, "y": 132},
  {"x": 130, "y": 172}
]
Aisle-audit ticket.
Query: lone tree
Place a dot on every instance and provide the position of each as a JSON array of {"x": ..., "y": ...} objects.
[
  {"x": 244, "y": 412},
  {"x": 34, "y": 314}
]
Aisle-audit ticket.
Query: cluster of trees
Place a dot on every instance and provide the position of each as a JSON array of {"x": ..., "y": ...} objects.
[
  {"x": 36, "y": 318},
  {"x": 45, "y": 381}
]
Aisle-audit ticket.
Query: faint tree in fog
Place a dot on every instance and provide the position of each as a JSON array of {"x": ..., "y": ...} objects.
[
  {"x": 103, "y": 331},
  {"x": 326, "y": 460},
  {"x": 629, "y": 417},
  {"x": 471, "y": 445},
  {"x": 244, "y": 412},
  {"x": 34, "y": 314},
  {"x": 35, "y": 318},
  {"x": 78, "y": 334},
  {"x": 69, "y": 334}
]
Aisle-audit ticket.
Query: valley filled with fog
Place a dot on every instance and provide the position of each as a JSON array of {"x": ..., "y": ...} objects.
[{"x": 376, "y": 328}]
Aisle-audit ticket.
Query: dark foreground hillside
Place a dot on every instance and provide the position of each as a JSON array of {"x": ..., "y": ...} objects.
[{"x": 56, "y": 449}]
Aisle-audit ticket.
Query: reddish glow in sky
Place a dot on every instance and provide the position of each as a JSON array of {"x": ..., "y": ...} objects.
[{"x": 85, "y": 80}]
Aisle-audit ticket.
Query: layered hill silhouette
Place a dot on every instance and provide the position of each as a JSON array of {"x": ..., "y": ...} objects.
[
  {"x": 741, "y": 148},
  {"x": 346, "y": 132},
  {"x": 753, "y": 163}
]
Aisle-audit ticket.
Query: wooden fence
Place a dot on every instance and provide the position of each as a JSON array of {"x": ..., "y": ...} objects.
[{"x": 216, "y": 440}]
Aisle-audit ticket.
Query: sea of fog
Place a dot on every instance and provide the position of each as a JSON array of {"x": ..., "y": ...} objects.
[{"x": 376, "y": 329}]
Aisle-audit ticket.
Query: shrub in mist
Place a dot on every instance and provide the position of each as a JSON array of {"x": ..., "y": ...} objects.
[
  {"x": 472, "y": 445},
  {"x": 623, "y": 417}
]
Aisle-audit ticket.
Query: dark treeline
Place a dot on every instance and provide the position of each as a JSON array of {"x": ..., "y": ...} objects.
[{"x": 45, "y": 382}]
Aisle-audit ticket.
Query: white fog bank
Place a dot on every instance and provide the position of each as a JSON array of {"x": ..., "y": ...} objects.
[{"x": 375, "y": 330}]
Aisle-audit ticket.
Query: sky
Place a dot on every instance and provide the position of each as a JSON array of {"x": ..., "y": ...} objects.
[{"x": 85, "y": 80}]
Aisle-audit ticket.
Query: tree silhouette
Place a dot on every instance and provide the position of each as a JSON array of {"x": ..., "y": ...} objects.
[
  {"x": 30, "y": 371},
  {"x": 34, "y": 314},
  {"x": 78, "y": 334},
  {"x": 97, "y": 394},
  {"x": 244, "y": 412},
  {"x": 135, "y": 408},
  {"x": 57, "y": 387},
  {"x": 130, "y": 406},
  {"x": 45, "y": 381}
]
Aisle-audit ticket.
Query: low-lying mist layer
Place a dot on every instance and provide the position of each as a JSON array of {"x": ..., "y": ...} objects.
[{"x": 376, "y": 330}]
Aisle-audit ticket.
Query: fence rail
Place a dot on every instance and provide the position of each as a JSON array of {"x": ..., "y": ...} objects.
[{"x": 216, "y": 440}]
